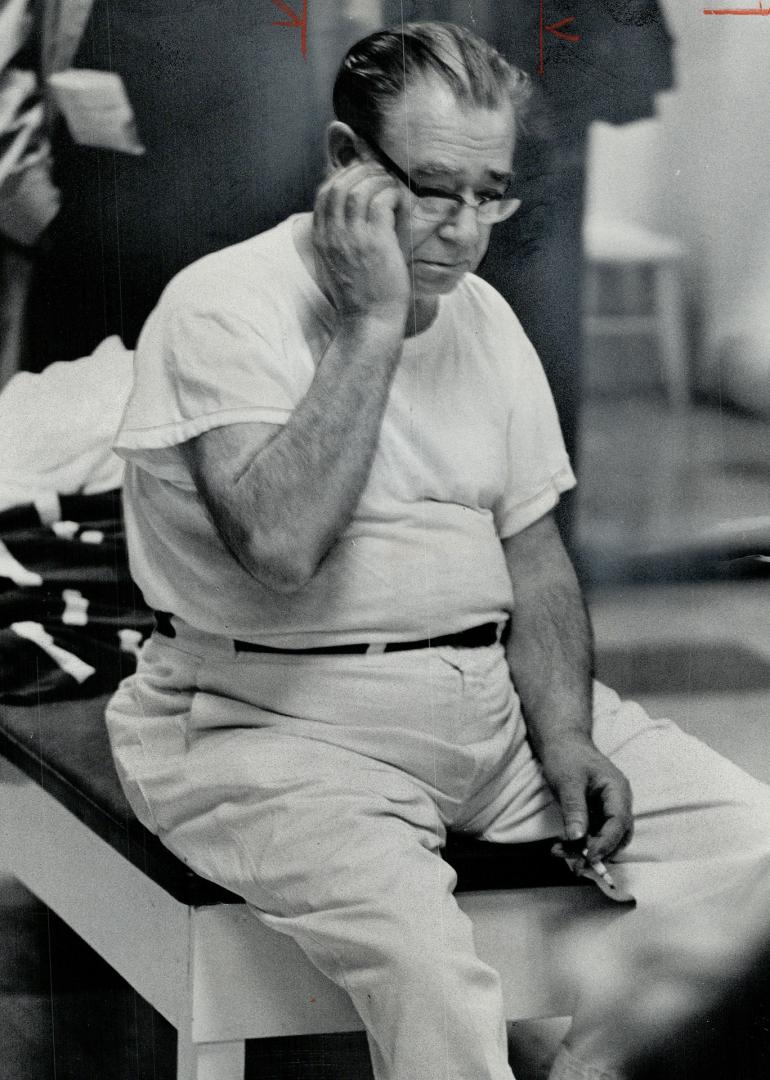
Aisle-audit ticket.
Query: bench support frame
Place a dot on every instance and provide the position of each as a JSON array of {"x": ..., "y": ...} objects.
[{"x": 215, "y": 972}]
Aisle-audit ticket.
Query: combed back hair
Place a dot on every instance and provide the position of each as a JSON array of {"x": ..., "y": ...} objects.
[{"x": 377, "y": 69}]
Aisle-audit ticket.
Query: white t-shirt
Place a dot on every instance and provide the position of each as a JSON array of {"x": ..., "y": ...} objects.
[{"x": 470, "y": 452}]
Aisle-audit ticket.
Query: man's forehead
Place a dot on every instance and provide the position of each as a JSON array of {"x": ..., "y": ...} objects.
[{"x": 437, "y": 130}]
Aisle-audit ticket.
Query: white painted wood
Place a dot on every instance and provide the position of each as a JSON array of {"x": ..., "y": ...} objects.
[
  {"x": 669, "y": 304},
  {"x": 251, "y": 982},
  {"x": 209, "y": 1061},
  {"x": 130, "y": 921},
  {"x": 626, "y": 245},
  {"x": 616, "y": 240}
]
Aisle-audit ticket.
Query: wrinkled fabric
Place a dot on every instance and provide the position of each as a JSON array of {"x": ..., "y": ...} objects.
[
  {"x": 57, "y": 427},
  {"x": 320, "y": 789}
]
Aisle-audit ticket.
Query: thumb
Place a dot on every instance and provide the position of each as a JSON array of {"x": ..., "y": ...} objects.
[
  {"x": 572, "y": 802},
  {"x": 383, "y": 207}
]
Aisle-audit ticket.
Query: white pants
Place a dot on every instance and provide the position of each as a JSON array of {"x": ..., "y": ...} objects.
[{"x": 320, "y": 789}]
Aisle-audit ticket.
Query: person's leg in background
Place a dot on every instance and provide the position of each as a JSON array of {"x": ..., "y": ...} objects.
[
  {"x": 701, "y": 844},
  {"x": 702, "y": 841},
  {"x": 695, "y": 1013}
]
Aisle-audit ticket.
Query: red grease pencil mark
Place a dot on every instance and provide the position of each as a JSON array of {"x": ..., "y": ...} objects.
[
  {"x": 541, "y": 65},
  {"x": 556, "y": 30},
  {"x": 737, "y": 11},
  {"x": 298, "y": 22}
]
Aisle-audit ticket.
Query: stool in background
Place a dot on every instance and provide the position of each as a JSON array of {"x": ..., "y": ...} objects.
[{"x": 634, "y": 288}]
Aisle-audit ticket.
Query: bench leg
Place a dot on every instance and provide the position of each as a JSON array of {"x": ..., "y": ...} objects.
[
  {"x": 673, "y": 346},
  {"x": 209, "y": 1061}
]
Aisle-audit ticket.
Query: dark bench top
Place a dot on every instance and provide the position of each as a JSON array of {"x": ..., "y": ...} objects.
[{"x": 63, "y": 746}]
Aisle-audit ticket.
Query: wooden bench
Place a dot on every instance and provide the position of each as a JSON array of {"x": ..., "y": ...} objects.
[{"x": 194, "y": 951}]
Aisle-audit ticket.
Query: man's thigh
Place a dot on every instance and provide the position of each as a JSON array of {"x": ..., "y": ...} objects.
[
  {"x": 340, "y": 852},
  {"x": 292, "y": 824},
  {"x": 701, "y": 822}
]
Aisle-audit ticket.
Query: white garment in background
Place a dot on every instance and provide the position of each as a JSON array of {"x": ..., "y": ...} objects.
[
  {"x": 57, "y": 427},
  {"x": 743, "y": 346}
]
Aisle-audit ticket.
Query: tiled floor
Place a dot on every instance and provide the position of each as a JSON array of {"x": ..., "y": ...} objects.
[
  {"x": 657, "y": 480},
  {"x": 666, "y": 488},
  {"x": 698, "y": 653}
]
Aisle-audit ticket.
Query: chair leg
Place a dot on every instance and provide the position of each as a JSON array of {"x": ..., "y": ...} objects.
[
  {"x": 209, "y": 1061},
  {"x": 673, "y": 347}
]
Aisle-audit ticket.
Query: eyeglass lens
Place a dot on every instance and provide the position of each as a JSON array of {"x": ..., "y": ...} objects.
[{"x": 434, "y": 208}]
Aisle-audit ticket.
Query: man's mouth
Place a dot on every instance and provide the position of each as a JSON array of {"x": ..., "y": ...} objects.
[{"x": 443, "y": 265}]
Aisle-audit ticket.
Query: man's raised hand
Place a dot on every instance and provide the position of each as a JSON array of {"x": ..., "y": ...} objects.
[{"x": 359, "y": 262}]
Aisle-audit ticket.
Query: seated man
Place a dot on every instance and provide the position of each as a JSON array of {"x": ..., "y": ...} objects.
[{"x": 343, "y": 459}]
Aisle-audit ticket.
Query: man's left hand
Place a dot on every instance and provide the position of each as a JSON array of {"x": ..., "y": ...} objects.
[{"x": 594, "y": 795}]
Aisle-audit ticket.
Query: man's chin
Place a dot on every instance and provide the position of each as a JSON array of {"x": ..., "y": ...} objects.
[{"x": 433, "y": 279}]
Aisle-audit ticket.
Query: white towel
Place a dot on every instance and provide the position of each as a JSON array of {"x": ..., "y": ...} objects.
[{"x": 57, "y": 427}]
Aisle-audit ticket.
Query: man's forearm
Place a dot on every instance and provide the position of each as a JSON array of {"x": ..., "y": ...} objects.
[
  {"x": 296, "y": 494},
  {"x": 550, "y": 650},
  {"x": 551, "y": 659},
  {"x": 281, "y": 498}
]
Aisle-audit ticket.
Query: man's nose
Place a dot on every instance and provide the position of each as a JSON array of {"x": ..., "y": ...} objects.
[{"x": 463, "y": 226}]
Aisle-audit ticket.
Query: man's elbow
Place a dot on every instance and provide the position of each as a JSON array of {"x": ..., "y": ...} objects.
[{"x": 285, "y": 570}]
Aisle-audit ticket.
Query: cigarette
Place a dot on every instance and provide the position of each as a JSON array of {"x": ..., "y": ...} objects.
[{"x": 599, "y": 867}]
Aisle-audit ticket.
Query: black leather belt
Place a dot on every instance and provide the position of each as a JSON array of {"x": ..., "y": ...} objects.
[{"x": 474, "y": 638}]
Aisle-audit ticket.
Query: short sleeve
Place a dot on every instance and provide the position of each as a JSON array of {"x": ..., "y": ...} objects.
[
  {"x": 199, "y": 366},
  {"x": 539, "y": 468}
]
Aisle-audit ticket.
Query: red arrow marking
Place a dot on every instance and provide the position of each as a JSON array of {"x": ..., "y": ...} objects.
[
  {"x": 554, "y": 29},
  {"x": 737, "y": 11},
  {"x": 299, "y": 22}
]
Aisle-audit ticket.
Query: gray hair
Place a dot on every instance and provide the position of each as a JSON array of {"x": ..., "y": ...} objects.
[{"x": 377, "y": 70}]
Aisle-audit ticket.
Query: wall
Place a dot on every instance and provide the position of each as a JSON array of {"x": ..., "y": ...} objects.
[
  {"x": 232, "y": 117},
  {"x": 699, "y": 170}
]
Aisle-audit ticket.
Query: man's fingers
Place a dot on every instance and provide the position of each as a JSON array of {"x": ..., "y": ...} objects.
[
  {"x": 383, "y": 206},
  {"x": 342, "y": 177},
  {"x": 614, "y": 812},
  {"x": 362, "y": 194},
  {"x": 329, "y": 210},
  {"x": 607, "y": 841},
  {"x": 574, "y": 809},
  {"x": 594, "y": 797},
  {"x": 344, "y": 198}
]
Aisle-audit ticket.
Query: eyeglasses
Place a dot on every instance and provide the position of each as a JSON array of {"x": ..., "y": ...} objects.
[{"x": 434, "y": 204}]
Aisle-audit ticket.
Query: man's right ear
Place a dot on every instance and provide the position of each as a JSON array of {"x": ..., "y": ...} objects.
[{"x": 343, "y": 146}]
